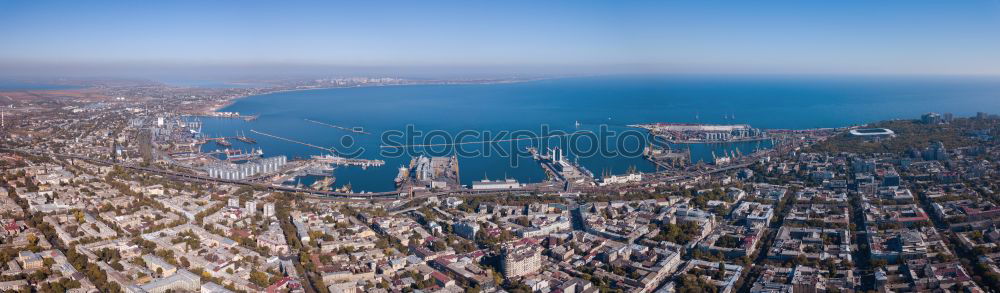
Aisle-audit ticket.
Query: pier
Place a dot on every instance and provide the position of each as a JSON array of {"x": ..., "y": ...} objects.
[
  {"x": 354, "y": 130},
  {"x": 558, "y": 167},
  {"x": 239, "y": 155},
  {"x": 333, "y": 151},
  {"x": 682, "y": 133},
  {"x": 666, "y": 158},
  {"x": 224, "y": 140},
  {"x": 546, "y": 163},
  {"x": 482, "y": 142},
  {"x": 225, "y": 115},
  {"x": 330, "y": 159},
  {"x": 704, "y": 141}
]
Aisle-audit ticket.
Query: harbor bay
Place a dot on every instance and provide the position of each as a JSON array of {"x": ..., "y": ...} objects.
[{"x": 362, "y": 115}]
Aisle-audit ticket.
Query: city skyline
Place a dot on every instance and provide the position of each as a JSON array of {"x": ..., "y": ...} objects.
[
  {"x": 500, "y": 146},
  {"x": 512, "y": 38}
]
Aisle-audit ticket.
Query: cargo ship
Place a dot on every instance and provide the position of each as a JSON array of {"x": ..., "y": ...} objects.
[
  {"x": 239, "y": 155},
  {"x": 344, "y": 189},
  {"x": 404, "y": 173},
  {"x": 246, "y": 139},
  {"x": 243, "y": 137},
  {"x": 324, "y": 184},
  {"x": 337, "y": 160}
]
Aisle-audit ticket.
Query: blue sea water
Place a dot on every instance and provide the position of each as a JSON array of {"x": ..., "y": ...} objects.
[{"x": 596, "y": 102}]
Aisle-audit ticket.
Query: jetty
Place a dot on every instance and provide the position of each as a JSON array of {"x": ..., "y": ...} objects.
[
  {"x": 294, "y": 141},
  {"x": 354, "y": 129}
]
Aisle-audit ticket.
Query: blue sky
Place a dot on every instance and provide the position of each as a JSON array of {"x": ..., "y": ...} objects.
[{"x": 863, "y": 37}]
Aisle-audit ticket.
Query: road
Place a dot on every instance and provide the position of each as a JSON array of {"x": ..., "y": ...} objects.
[
  {"x": 387, "y": 195},
  {"x": 200, "y": 178}
]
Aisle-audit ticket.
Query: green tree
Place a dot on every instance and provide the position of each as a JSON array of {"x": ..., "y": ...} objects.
[{"x": 259, "y": 278}]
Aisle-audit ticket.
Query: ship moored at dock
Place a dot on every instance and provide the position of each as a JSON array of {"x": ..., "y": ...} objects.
[
  {"x": 684, "y": 133},
  {"x": 338, "y": 160}
]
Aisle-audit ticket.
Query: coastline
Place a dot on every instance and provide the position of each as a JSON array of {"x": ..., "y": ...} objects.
[
  {"x": 214, "y": 109},
  {"x": 219, "y": 106}
]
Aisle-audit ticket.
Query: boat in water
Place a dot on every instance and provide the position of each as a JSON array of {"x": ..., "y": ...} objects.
[
  {"x": 345, "y": 189},
  {"x": 323, "y": 184},
  {"x": 404, "y": 173}
]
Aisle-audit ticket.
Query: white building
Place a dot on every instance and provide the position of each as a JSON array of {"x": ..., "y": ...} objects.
[
  {"x": 497, "y": 184},
  {"x": 182, "y": 281},
  {"x": 251, "y": 207},
  {"x": 621, "y": 179},
  {"x": 213, "y": 288},
  {"x": 521, "y": 261},
  {"x": 234, "y": 202},
  {"x": 269, "y": 209}
]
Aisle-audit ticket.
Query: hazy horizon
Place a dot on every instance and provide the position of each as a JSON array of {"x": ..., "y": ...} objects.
[{"x": 454, "y": 39}]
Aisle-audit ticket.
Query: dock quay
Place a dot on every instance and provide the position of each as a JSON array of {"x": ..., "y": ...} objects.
[
  {"x": 338, "y": 160},
  {"x": 429, "y": 172},
  {"x": 352, "y": 129},
  {"x": 708, "y": 141},
  {"x": 239, "y": 155},
  {"x": 333, "y": 151},
  {"x": 682, "y": 133},
  {"x": 558, "y": 167},
  {"x": 225, "y": 115},
  {"x": 224, "y": 140},
  {"x": 547, "y": 165},
  {"x": 666, "y": 158}
]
